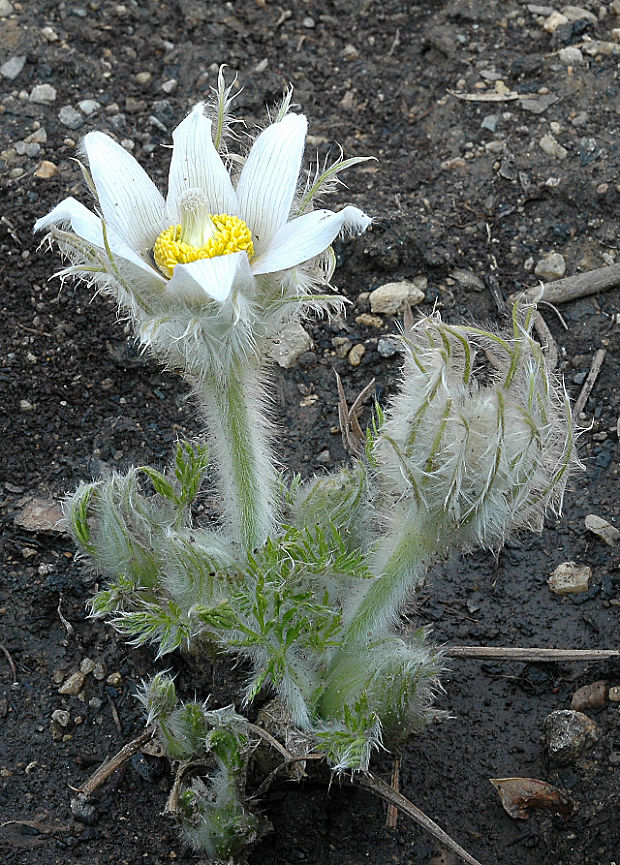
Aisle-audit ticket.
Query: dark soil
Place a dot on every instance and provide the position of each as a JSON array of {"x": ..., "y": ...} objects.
[{"x": 447, "y": 194}]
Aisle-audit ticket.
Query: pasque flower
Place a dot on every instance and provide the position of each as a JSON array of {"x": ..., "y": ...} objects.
[{"x": 208, "y": 242}]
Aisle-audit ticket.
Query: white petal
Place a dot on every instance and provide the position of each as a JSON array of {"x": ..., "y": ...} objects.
[
  {"x": 214, "y": 277},
  {"x": 307, "y": 236},
  {"x": 130, "y": 202},
  {"x": 269, "y": 178},
  {"x": 196, "y": 164},
  {"x": 86, "y": 225}
]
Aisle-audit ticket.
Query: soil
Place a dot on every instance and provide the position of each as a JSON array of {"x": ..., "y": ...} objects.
[{"x": 463, "y": 194}]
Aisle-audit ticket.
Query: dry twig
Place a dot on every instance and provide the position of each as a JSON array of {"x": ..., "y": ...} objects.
[
  {"x": 586, "y": 390},
  {"x": 7, "y": 655},
  {"x": 110, "y": 766},
  {"x": 391, "y": 819},
  {"x": 348, "y": 418},
  {"x": 573, "y": 287},
  {"x": 519, "y": 654},
  {"x": 385, "y": 792}
]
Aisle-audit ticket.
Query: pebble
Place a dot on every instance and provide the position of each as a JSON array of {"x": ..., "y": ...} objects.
[
  {"x": 324, "y": 457},
  {"x": 578, "y": 13},
  {"x": 114, "y": 679},
  {"x": 368, "y": 320},
  {"x": 5, "y": 8},
  {"x": 70, "y": 117},
  {"x": 170, "y": 85},
  {"x": 143, "y": 77},
  {"x": 570, "y": 578},
  {"x": 568, "y": 734},
  {"x": 24, "y": 405},
  {"x": 342, "y": 345},
  {"x": 570, "y": 55},
  {"x": 73, "y": 685},
  {"x": 13, "y": 66},
  {"x": 614, "y": 694},
  {"x": 27, "y": 148},
  {"x": 390, "y": 299},
  {"x": 83, "y": 810},
  {"x": 49, "y": 35},
  {"x": 291, "y": 342},
  {"x": 554, "y": 20},
  {"x": 592, "y": 696},
  {"x": 88, "y": 106},
  {"x": 46, "y": 170},
  {"x": 602, "y": 529},
  {"x": 356, "y": 354},
  {"x": 99, "y": 672},
  {"x": 551, "y": 266},
  {"x": 309, "y": 22},
  {"x": 61, "y": 717},
  {"x": 39, "y": 515},
  {"x": 43, "y": 94},
  {"x": 490, "y": 122},
  {"x": 552, "y": 147},
  {"x": 387, "y": 346},
  {"x": 87, "y": 666}
]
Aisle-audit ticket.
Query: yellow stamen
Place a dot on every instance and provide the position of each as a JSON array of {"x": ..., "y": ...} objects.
[{"x": 231, "y": 235}]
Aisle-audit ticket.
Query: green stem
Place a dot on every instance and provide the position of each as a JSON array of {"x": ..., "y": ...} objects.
[
  {"x": 238, "y": 437},
  {"x": 400, "y": 563}
]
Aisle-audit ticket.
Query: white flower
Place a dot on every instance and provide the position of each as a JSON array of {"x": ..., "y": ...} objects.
[{"x": 173, "y": 246}]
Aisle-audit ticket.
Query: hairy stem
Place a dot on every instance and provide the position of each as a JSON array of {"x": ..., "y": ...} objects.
[
  {"x": 238, "y": 437},
  {"x": 400, "y": 563}
]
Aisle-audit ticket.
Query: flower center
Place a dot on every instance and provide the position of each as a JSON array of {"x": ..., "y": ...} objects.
[{"x": 228, "y": 234}]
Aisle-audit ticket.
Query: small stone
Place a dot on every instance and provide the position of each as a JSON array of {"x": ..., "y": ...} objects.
[
  {"x": 143, "y": 77},
  {"x": 552, "y": 147},
  {"x": 40, "y": 515},
  {"x": 387, "y": 347},
  {"x": 170, "y": 85},
  {"x": 356, "y": 354},
  {"x": 49, "y": 35},
  {"x": 24, "y": 405},
  {"x": 578, "y": 13},
  {"x": 309, "y": 22},
  {"x": 490, "y": 122},
  {"x": 614, "y": 694},
  {"x": 61, "y": 717},
  {"x": 390, "y": 299},
  {"x": 615, "y": 7},
  {"x": 46, "y": 170},
  {"x": 28, "y": 148},
  {"x": 554, "y": 20},
  {"x": 568, "y": 734},
  {"x": 83, "y": 810},
  {"x": 87, "y": 666},
  {"x": 551, "y": 266},
  {"x": 88, "y": 106},
  {"x": 114, "y": 679},
  {"x": 570, "y": 55},
  {"x": 43, "y": 94},
  {"x": 342, "y": 345},
  {"x": 95, "y": 703},
  {"x": 73, "y": 685},
  {"x": 13, "y": 66},
  {"x": 70, "y": 117},
  {"x": 580, "y": 119},
  {"x": 615, "y": 34},
  {"x": 602, "y": 529},
  {"x": 290, "y": 343},
  {"x": 5, "y": 8},
  {"x": 99, "y": 672},
  {"x": 569, "y": 578},
  {"x": 261, "y": 65},
  {"x": 324, "y": 458},
  {"x": 368, "y": 320},
  {"x": 593, "y": 697}
]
